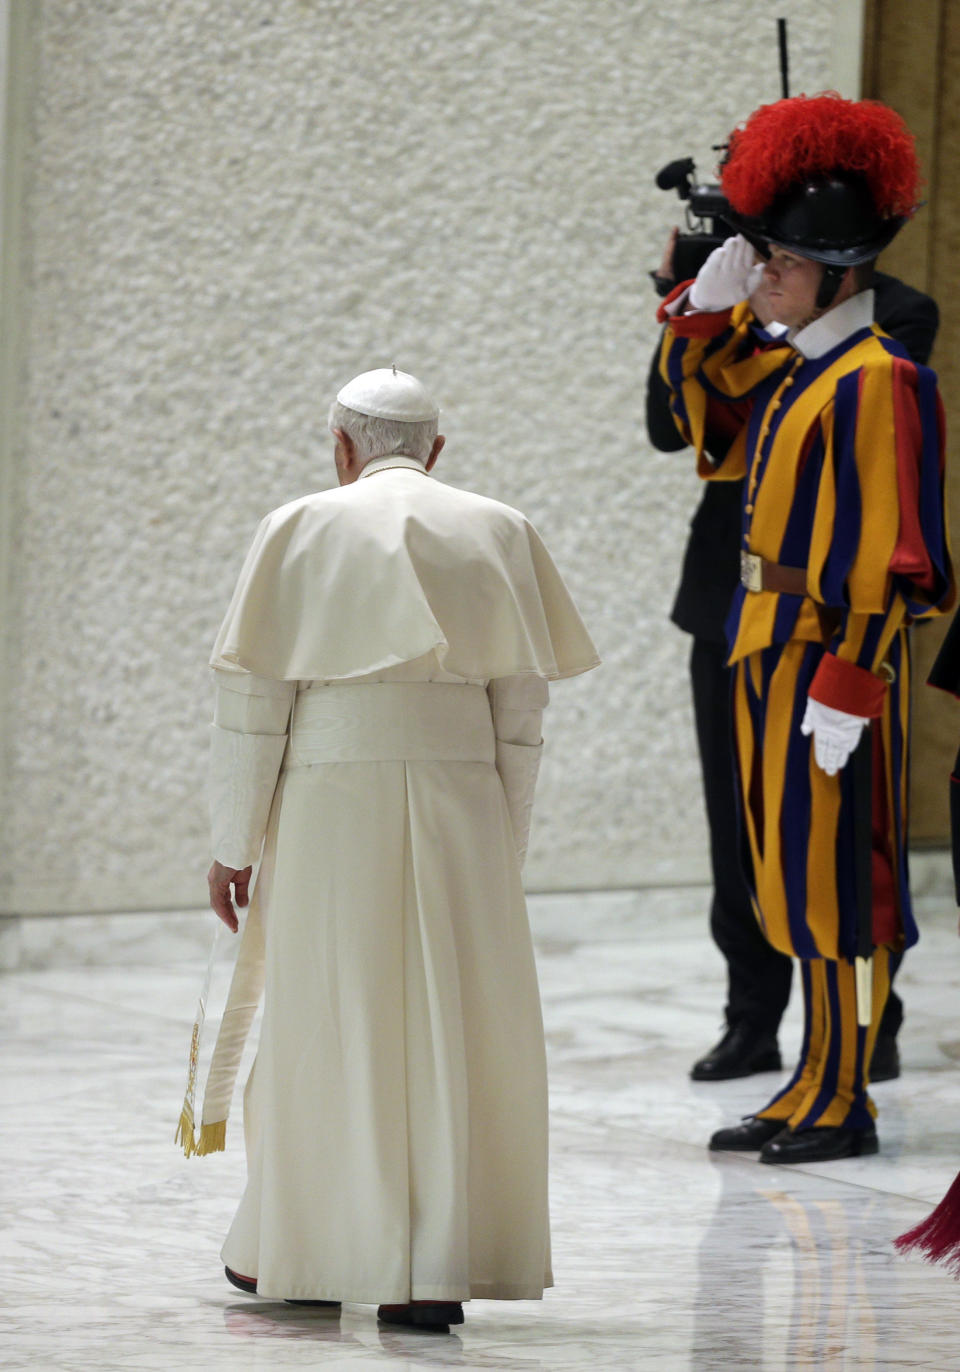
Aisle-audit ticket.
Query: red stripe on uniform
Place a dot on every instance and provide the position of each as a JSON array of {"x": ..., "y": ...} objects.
[{"x": 910, "y": 556}]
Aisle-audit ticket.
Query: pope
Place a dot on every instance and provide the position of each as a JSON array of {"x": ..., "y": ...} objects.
[{"x": 381, "y": 675}]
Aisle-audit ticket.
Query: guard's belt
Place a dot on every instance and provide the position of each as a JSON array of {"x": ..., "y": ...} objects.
[{"x": 757, "y": 574}]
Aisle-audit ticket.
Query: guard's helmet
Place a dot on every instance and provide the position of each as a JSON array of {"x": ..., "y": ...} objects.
[
  {"x": 831, "y": 218},
  {"x": 827, "y": 178}
]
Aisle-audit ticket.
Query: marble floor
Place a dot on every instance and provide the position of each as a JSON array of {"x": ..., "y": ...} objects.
[{"x": 665, "y": 1257}]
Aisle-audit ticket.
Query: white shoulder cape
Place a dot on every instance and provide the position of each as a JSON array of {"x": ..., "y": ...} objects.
[{"x": 383, "y": 571}]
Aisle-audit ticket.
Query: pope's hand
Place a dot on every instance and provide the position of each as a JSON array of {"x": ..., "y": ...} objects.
[
  {"x": 835, "y": 734},
  {"x": 220, "y": 879},
  {"x": 730, "y": 274}
]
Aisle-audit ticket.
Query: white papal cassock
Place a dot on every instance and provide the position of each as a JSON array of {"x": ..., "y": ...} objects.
[{"x": 381, "y": 675}]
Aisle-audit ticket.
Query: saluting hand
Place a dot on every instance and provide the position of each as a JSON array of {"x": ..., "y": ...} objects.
[
  {"x": 730, "y": 274},
  {"x": 220, "y": 879}
]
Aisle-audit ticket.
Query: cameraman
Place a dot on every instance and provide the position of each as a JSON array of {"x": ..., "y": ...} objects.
[{"x": 758, "y": 976}]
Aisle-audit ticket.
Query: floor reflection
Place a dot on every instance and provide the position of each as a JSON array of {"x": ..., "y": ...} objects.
[
  {"x": 666, "y": 1258},
  {"x": 795, "y": 1265},
  {"x": 275, "y": 1321}
]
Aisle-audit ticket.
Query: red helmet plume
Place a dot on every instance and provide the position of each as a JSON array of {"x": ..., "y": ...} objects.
[{"x": 808, "y": 136}]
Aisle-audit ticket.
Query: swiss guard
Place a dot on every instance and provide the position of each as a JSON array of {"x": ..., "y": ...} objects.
[{"x": 840, "y": 437}]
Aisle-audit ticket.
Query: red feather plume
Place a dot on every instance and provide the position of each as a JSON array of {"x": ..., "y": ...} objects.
[{"x": 806, "y": 136}]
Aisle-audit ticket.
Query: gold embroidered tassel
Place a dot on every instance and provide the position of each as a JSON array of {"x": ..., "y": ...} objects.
[
  {"x": 184, "y": 1134},
  {"x": 213, "y": 1138}
]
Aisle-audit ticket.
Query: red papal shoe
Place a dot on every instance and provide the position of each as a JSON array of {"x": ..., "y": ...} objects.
[{"x": 249, "y": 1285}]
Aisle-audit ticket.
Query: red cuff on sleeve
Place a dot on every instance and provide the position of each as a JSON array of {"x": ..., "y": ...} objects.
[
  {"x": 702, "y": 325},
  {"x": 845, "y": 686}
]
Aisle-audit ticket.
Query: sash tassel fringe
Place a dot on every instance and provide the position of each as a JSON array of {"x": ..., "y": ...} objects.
[
  {"x": 184, "y": 1135},
  {"x": 937, "y": 1237},
  {"x": 213, "y": 1138}
]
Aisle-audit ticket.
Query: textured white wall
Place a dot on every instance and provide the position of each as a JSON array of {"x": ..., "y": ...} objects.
[{"x": 227, "y": 211}]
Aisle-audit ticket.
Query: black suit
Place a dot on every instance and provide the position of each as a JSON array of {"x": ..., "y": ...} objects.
[{"x": 758, "y": 976}]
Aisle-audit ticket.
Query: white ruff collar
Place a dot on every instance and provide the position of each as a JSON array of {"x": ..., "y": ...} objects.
[{"x": 834, "y": 326}]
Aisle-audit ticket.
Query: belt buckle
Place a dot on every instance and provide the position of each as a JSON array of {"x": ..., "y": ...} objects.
[{"x": 751, "y": 571}]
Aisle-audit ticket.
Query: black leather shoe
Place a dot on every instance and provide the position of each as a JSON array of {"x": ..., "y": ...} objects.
[
  {"x": 825, "y": 1144},
  {"x": 885, "y": 1063},
  {"x": 247, "y": 1284},
  {"x": 434, "y": 1316},
  {"x": 747, "y": 1137},
  {"x": 743, "y": 1050}
]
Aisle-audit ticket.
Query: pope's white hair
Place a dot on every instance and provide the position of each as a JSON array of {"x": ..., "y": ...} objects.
[{"x": 384, "y": 437}]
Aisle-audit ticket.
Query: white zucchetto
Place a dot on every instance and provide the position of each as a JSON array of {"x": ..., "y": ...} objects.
[{"x": 389, "y": 394}]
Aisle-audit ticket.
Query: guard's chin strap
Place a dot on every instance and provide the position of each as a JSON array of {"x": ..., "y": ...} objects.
[{"x": 829, "y": 285}]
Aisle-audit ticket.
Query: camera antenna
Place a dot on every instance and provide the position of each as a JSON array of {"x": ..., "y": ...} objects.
[{"x": 784, "y": 60}]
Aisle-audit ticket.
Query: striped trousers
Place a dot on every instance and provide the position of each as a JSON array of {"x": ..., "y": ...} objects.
[
  {"x": 800, "y": 831},
  {"x": 829, "y": 1085}
]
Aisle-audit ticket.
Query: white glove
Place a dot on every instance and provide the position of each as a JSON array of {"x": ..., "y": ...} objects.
[
  {"x": 835, "y": 734},
  {"x": 730, "y": 274}
]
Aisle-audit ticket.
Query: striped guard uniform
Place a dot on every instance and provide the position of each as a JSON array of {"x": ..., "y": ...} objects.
[{"x": 840, "y": 438}]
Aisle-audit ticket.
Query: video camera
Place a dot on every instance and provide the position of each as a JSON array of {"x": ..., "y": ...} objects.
[{"x": 706, "y": 229}]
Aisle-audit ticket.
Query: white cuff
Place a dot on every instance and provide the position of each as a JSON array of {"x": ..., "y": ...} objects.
[
  {"x": 243, "y": 778},
  {"x": 517, "y": 704},
  {"x": 681, "y": 305},
  {"x": 518, "y": 765}
]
